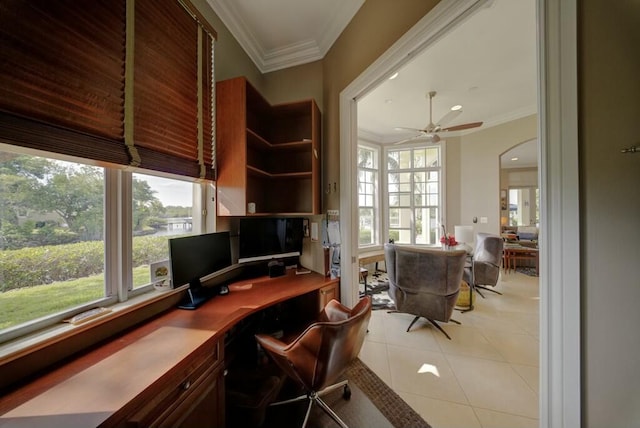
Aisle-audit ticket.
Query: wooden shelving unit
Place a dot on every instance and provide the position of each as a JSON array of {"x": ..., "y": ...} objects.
[{"x": 268, "y": 155}]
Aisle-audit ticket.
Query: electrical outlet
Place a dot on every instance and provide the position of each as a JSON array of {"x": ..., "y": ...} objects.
[{"x": 484, "y": 220}]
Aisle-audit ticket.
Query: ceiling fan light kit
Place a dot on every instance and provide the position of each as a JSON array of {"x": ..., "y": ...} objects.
[{"x": 430, "y": 132}]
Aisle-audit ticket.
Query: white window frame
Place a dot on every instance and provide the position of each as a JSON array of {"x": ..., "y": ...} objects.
[
  {"x": 441, "y": 186},
  {"x": 118, "y": 273},
  {"x": 377, "y": 212}
]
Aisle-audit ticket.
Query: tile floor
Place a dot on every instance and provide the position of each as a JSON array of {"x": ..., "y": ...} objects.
[{"x": 485, "y": 377}]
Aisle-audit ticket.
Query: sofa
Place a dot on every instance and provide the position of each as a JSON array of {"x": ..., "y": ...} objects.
[
  {"x": 524, "y": 235},
  {"x": 527, "y": 233}
]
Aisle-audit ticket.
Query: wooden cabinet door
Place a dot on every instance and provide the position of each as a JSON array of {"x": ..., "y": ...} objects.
[
  {"x": 200, "y": 405},
  {"x": 327, "y": 293},
  {"x": 204, "y": 407},
  {"x": 193, "y": 394}
]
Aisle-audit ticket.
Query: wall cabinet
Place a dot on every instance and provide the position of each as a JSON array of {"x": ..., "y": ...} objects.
[{"x": 268, "y": 156}]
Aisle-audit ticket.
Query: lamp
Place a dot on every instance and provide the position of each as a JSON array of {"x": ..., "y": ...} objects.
[{"x": 464, "y": 235}]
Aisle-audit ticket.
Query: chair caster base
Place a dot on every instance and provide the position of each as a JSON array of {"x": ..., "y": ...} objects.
[
  {"x": 346, "y": 393},
  {"x": 487, "y": 289}
]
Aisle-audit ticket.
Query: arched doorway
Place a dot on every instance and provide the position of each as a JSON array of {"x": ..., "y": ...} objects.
[{"x": 519, "y": 187}]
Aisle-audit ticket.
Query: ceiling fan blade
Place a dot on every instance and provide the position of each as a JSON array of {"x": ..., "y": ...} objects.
[
  {"x": 432, "y": 138},
  {"x": 447, "y": 118},
  {"x": 463, "y": 126},
  {"x": 406, "y": 140},
  {"x": 402, "y": 128}
]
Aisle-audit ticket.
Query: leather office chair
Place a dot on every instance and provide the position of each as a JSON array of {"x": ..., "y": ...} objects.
[
  {"x": 424, "y": 282},
  {"x": 321, "y": 353},
  {"x": 487, "y": 258}
]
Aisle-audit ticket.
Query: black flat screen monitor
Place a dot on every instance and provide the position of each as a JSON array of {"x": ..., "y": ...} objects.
[
  {"x": 266, "y": 238},
  {"x": 197, "y": 256}
]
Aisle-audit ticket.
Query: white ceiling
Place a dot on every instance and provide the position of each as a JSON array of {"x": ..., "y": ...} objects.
[
  {"x": 278, "y": 34},
  {"x": 487, "y": 63}
]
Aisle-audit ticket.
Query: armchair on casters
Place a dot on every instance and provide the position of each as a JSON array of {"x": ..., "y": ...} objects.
[
  {"x": 487, "y": 258},
  {"x": 425, "y": 282},
  {"x": 320, "y": 354}
]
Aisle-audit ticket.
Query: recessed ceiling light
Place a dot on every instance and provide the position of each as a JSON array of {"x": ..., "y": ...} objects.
[
  {"x": 456, "y": 107},
  {"x": 514, "y": 159},
  {"x": 393, "y": 76}
]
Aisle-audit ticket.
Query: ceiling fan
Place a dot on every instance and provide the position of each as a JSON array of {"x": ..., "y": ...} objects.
[{"x": 430, "y": 132}]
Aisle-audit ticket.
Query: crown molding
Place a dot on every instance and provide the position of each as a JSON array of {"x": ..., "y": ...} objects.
[{"x": 311, "y": 49}]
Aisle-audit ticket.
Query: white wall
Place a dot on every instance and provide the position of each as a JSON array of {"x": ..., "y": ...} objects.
[
  {"x": 520, "y": 177},
  {"x": 480, "y": 170},
  {"x": 453, "y": 179}
]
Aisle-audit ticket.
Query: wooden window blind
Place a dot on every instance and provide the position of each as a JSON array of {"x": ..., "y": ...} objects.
[
  {"x": 62, "y": 82},
  {"x": 208, "y": 111},
  {"x": 62, "y": 77}
]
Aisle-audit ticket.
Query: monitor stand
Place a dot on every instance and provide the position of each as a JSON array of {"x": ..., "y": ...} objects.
[{"x": 196, "y": 295}]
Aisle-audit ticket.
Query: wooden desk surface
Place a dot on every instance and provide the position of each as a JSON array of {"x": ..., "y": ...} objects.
[
  {"x": 369, "y": 257},
  {"x": 99, "y": 384}
]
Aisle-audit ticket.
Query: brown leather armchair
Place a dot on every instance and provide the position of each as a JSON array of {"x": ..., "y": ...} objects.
[
  {"x": 321, "y": 353},
  {"x": 424, "y": 282},
  {"x": 487, "y": 257}
]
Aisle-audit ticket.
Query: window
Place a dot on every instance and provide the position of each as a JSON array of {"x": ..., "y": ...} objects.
[
  {"x": 368, "y": 195},
  {"x": 524, "y": 203},
  {"x": 162, "y": 209},
  {"x": 74, "y": 235},
  {"x": 59, "y": 222},
  {"x": 414, "y": 195}
]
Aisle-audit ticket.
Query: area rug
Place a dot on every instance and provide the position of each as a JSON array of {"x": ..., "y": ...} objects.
[
  {"x": 381, "y": 300},
  {"x": 529, "y": 271},
  {"x": 394, "y": 408},
  {"x": 377, "y": 286},
  {"x": 372, "y": 404}
]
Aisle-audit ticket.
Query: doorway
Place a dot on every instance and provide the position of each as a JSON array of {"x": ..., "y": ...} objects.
[
  {"x": 560, "y": 319},
  {"x": 519, "y": 187}
]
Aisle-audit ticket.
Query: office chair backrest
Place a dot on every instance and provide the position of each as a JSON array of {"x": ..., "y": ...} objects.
[
  {"x": 488, "y": 249},
  {"x": 321, "y": 353},
  {"x": 418, "y": 270}
]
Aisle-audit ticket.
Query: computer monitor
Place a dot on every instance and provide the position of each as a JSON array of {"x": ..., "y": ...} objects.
[
  {"x": 265, "y": 238},
  {"x": 195, "y": 257}
]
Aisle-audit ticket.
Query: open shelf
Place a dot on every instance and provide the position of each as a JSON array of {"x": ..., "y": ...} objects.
[
  {"x": 267, "y": 155},
  {"x": 256, "y": 142},
  {"x": 285, "y": 175}
]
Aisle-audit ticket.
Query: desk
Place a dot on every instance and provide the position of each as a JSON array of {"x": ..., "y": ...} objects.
[
  {"x": 513, "y": 253},
  {"x": 168, "y": 371},
  {"x": 369, "y": 257}
]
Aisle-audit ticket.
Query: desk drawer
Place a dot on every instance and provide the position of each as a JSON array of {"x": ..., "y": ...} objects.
[{"x": 161, "y": 401}]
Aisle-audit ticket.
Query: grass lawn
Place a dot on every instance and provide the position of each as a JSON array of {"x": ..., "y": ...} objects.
[{"x": 24, "y": 304}]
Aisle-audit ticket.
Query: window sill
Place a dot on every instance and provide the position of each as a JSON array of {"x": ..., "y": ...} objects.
[
  {"x": 62, "y": 340},
  {"x": 370, "y": 248}
]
